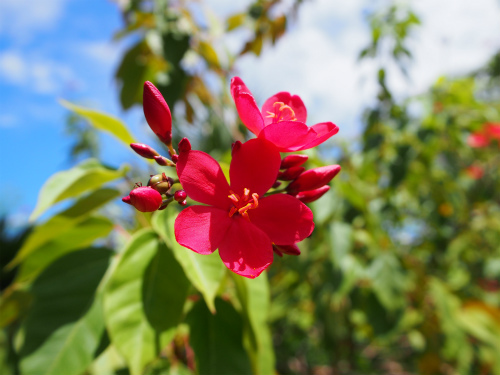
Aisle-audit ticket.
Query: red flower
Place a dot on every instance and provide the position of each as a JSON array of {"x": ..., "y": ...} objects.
[
  {"x": 282, "y": 120},
  {"x": 144, "y": 199},
  {"x": 475, "y": 172},
  {"x": 157, "y": 113},
  {"x": 239, "y": 220},
  {"x": 483, "y": 137}
]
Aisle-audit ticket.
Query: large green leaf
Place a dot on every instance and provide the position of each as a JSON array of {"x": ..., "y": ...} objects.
[
  {"x": 205, "y": 272},
  {"x": 128, "y": 326},
  {"x": 61, "y": 223},
  {"x": 103, "y": 122},
  {"x": 254, "y": 297},
  {"x": 217, "y": 340},
  {"x": 77, "y": 237},
  {"x": 88, "y": 175},
  {"x": 62, "y": 331}
]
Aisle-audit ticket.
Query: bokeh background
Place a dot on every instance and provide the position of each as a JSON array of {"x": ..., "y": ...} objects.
[{"x": 402, "y": 272}]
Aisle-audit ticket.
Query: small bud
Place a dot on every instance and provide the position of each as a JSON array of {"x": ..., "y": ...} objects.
[
  {"x": 277, "y": 184},
  {"x": 312, "y": 195},
  {"x": 163, "y": 161},
  {"x": 180, "y": 195},
  {"x": 293, "y": 161},
  {"x": 291, "y": 173},
  {"x": 144, "y": 199},
  {"x": 157, "y": 113},
  {"x": 235, "y": 147},
  {"x": 287, "y": 249},
  {"x": 160, "y": 182},
  {"x": 175, "y": 158},
  {"x": 183, "y": 203},
  {"x": 144, "y": 150},
  {"x": 184, "y": 145},
  {"x": 313, "y": 179}
]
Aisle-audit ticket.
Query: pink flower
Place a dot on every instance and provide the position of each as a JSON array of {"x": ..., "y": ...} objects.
[
  {"x": 144, "y": 199},
  {"x": 157, "y": 113},
  {"x": 483, "y": 137},
  {"x": 238, "y": 220},
  {"x": 282, "y": 120}
]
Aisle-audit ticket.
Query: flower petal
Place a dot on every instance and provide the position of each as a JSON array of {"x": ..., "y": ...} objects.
[
  {"x": 293, "y": 101},
  {"x": 201, "y": 228},
  {"x": 246, "y": 106},
  {"x": 245, "y": 249},
  {"x": 324, "y": 131},
  {"x": 285, "y": 219},
  {"x": 254, "y": 166},
  {"x": 288, "y": 136},
  {"x": 202, "y": 179}
]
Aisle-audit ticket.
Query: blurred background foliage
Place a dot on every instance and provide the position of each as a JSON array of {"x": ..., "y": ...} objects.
[{"x": 401, "y": 275}]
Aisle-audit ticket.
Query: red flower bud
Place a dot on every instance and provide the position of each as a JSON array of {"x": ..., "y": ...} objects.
[
  {"x": 312, "y": 195},
  {"x": 293, "y": 161},
  {"x": 286, "y": 249},
  {"x": 313, "y": 179},
  {"x": 184, "y": 145},
  {"x": 180, "y": 196},
  {"x": 183, "y": 203},
  {"x": 291, "y": 173},
  {"x": 144, "y": 150},
  {"x": 163, "y": 161},
  {"x": 144, "y": 199},
  {"x": 157, "y": 113},
  {"x": 175, "y": 158}
]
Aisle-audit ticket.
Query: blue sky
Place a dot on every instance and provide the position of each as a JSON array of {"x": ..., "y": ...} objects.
[{"x": 52, "y": 49}]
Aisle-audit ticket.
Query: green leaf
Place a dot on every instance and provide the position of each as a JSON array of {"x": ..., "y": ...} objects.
[
  {"x": 235, "y": 21},
  {"x": 88, "y": 175},
  {"x": 217, "y": 340},
  {"x": 209, "y": 54},
  {"x": 205, "y": 272},
  {"x": 63, "y": 222},
  {"x": 61, "y": 333},
  {"x": 102, "y": 121},
  {"x": 78, "y": 237},
  {"x": 129, "y": 329},
  {"x": 164, "y": 290},
  {"x": 254, "y": 297}
]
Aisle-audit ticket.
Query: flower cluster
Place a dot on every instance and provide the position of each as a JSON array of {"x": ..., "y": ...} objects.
[
  {"x": 482, "y": 138},
  {"x": 251, "y": 216}
]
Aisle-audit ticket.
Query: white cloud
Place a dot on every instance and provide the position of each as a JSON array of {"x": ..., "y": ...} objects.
[
  {"x": 103, "y": 52},
  {"x": 38, "y": 75},
  {"x": 8, "y": 120},
  {"x": 22, "y": 18}
]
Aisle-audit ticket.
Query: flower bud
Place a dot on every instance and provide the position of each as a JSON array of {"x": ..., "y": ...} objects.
[
  {"x": 293, "y": 161},
  {"x": 184, "y": 145},
  {"x": 163, "y": 161},
  {"x": 144, "y": 150},
  {"x": 144, "y": 199},
  {"x": 291, "y": 173},
  {"x": 183, "y": 203},
  {"x": 312, "y": 195},
  {"x": 313, "y": 179},
  {"x": 157, "y": 113},
  {"x": 160, "y": 182},
  {"x": 180, "y": 196},
  {"x": 175, "y": 158},
  {"x": 286, "y": 249}
]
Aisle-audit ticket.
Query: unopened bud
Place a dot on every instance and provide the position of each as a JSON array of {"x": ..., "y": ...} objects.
[
  {"x": 157, "y": 113},
  {"x": 293, "y": 161},
  {"x": 144, "y": 150},
  {"x": 175, "y": 158},
  {"x": 291, "y": 173},
  {"x": 183, "y": 203},
  {"x": 160, "y": 182},
  {"x": 144, "y": 199},
  {"x": 184, "y": 145},
  {"x": 286, "y": 249},
  {"x": 313, "y": 179},
  {"x": 180, "y": 196},
  {"x": 163, "y": 161},
  {"x": 312, "y": 195}
]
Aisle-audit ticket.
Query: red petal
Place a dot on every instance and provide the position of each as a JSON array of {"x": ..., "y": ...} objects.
[
  {"x": 254, "y": 166},
  {"x": 201, "y": 228},
  {"x": 246, "y": 106},
  {"x": 245, "y": 249},
  {"x": 478, "y": 140},
  {"x": 157, "y": 113},
  {"x": 283, "y": 218},
  {"x": 288, "y": 136},
  {"x": 202, "y": 179},
  {"x": 324, "y": 131},
  {"x": 293, "y": 101}
]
